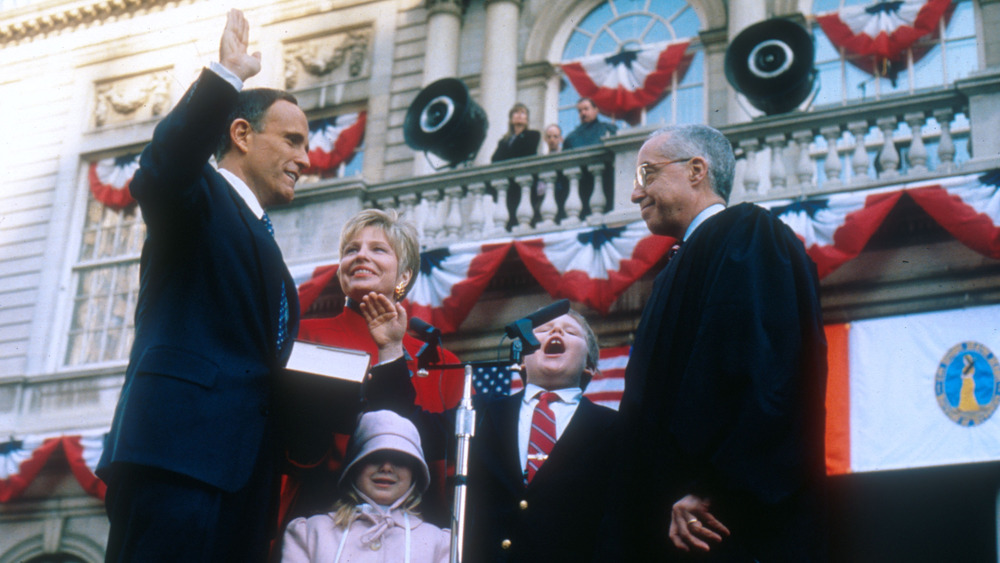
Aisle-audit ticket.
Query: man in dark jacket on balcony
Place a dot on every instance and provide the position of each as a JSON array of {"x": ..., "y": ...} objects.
[{"x": 591, "y": 129}]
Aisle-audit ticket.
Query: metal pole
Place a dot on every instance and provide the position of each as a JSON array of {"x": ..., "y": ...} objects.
[{"x": 465, "y": 428}]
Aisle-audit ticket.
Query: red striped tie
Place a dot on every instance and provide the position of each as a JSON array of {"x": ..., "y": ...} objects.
[{"x": 542, "y": 436}]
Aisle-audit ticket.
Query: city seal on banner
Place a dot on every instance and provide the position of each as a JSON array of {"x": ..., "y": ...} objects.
[{"x": 967, "y": 384}]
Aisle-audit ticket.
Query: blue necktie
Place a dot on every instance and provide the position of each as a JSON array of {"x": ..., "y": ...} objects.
[{"x": 283, "y": 308}]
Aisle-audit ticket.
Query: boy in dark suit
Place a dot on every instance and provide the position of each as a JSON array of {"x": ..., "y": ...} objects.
[
  {"x": 540, "y": 459},
  {"x": 192, "y": 457}
]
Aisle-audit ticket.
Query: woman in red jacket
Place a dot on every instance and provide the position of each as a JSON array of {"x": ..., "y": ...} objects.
[{"x": 379, "y": 253}]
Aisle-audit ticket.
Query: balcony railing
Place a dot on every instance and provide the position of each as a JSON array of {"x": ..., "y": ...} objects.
[{"x": 854, "y": 147}]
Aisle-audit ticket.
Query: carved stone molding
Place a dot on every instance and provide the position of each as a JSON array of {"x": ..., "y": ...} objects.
[
  {"x": 30, "y": 23},
  {"x": 456, "y": 7},
  {"x": 333, "y": 58},
  {"x": 130, "y": 99}
]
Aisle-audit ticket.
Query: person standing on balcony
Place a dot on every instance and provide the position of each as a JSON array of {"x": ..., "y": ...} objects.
[
  {"x": 725, "y": 385},
  {"x": 519, "y": 141},
  {"x": 553, "y": 138},
  {"x": 192, "y": 457},
  {"x": 591, "y": 129}
]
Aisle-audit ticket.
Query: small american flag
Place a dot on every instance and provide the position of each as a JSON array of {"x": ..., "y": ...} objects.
[
  {"x": 605, "y": 389},
  {"x": 494, "y": 379}
]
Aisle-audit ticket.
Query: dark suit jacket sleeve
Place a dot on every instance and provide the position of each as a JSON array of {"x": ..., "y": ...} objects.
[{"x": 181, "y": 146}]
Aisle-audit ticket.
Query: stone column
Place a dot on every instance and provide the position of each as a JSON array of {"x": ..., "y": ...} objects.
[
  {"x": 498, "y": 82},
  {"x": 444, "y": 23},
  {"x": 741, "y": 16}
]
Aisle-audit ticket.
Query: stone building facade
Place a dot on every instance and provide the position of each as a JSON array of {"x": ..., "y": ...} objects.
[{"x": 85, "y": 81}]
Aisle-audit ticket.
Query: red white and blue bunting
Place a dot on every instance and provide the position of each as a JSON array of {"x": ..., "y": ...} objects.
[
  {"x": 836, "y": 229},
  {"x": 881, "y": 32},
  {"x": 451, "y": 280},
  {"x": 109, "y": 179},
  {"x": 631, "y": 80},
  {"x": 22, "y": 459},
  {"x": 592, "y": 266},
  {"x": 333, "y": 140}
]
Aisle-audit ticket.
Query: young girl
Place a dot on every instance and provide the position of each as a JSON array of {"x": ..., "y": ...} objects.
[{"x": 375, "y": 518}]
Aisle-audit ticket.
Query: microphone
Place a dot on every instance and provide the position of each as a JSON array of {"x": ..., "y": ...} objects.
[
  {"x": 522, "y": 328},
  {"x": 428, "y": 353},
  {"x": 425, "y": 331}
]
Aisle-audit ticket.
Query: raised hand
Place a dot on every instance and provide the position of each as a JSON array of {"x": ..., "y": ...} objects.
[
  {"x": 386, "y": 323},
  {"x": 234, "y": 44}
]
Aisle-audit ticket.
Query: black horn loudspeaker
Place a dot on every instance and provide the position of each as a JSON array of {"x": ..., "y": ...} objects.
[
  {"x": 771, "y": 63},
  {"x": 445, "y": 121}
]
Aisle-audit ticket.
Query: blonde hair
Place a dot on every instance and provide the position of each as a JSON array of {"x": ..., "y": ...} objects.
[
  {"x": 402, "y": 237},
  {"x": 343, "y": 510}
]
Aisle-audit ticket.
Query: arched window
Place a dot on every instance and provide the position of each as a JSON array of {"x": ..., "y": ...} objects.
[
  {"x": 617, "y": 25},
  {"x": 937, "y": 59}
]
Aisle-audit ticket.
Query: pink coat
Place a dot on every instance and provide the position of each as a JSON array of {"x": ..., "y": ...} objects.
[{"x": 373, "y": 536}]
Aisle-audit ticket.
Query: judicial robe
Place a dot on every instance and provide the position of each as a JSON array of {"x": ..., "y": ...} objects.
[{"x": 724, "y": 393}]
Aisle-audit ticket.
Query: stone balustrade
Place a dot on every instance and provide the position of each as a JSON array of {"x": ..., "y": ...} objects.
[
  {"x": 513, "y": 197},
  {"x": 846, "y": 148}
]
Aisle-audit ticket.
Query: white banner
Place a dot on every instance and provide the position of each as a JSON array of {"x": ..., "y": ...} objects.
[{"x": 924, "y": 389}]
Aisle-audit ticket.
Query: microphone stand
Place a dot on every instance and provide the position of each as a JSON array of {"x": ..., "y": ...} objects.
[{"x": 465, "y": 429}]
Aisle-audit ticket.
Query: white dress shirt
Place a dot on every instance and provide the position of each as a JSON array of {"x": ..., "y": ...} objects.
[
  {"x": 701, "y": 217},
  {"x": 563, "y": 409}
]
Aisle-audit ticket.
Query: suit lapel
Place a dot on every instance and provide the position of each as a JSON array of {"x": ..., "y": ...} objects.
[{"x": 502, "y": 419}]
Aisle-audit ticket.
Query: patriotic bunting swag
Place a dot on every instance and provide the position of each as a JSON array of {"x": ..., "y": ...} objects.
[
  {"x": 333, "y": 141},
  {"x": 21, "y": 460},
  {"x": 109, "y": 179},
  {"x": 592, "y": 266},
  {"x": 836, "y": 229},
  {"x": 880, "y": 33},
  {"x": 451, "y": 280},
  {"x": 629, "y": 81}
]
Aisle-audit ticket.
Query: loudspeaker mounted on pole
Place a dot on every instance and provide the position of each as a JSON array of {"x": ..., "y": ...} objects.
[
  {"x": 445, "y": 121},
  {"x": 771, "y": 64}
]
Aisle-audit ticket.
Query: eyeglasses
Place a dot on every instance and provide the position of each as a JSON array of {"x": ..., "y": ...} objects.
[{"x": 643, "y": 169}]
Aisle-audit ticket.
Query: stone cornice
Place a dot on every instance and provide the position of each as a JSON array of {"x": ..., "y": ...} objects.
[{"x": 39, "y": 19}]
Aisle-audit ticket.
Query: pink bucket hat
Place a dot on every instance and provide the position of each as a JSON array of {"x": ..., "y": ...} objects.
[{"x": 386, "y": 430}]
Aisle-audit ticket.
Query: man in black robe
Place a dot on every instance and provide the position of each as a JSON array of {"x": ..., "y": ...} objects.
[{"x": 724, "y": 391}]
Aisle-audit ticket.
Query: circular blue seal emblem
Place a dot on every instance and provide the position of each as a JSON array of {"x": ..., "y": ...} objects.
[{"x": 967, "y": 384}]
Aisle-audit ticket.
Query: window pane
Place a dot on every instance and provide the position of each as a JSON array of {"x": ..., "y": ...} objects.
[
  {"x": 630, "y": 26},
  {"x": 690, "y": 105},
  {"x": 687, "y": 25},
  {"x": 605, "y": 44},
  {"x": 962, "y": 22},
  {"x": 695, "y": 69},
  {"x": 962, "y": 58},
  {"x": 576, "y": 47}
]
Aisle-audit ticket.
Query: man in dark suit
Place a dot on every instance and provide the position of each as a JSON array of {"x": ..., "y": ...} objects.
[
  {"x": 528, "y": 501},
  {"x": 192, "y": 455},
  {"x": 724, "y": 392}
]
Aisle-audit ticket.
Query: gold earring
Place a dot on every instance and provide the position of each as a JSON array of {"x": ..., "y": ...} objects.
[{"x": 400, "y": 291}]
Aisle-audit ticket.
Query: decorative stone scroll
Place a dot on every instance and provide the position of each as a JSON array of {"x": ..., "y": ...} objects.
[
  {"x": 131, "y": 99},
  {"x": 328, "y": 59}
]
